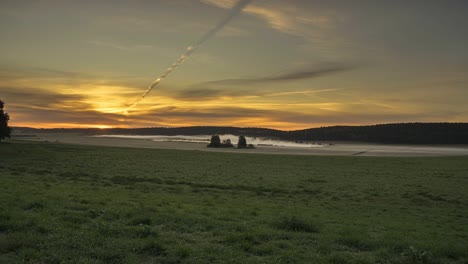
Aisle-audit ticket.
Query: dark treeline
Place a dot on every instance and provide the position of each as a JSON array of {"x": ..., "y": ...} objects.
[
  {"x": 167, "y": 131},
  {"x": 195, "y": 130},
  {"x": 404, "y": 133}
]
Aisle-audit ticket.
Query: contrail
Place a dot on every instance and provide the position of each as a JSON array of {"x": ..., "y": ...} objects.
[{"x": 235, "y": 10}]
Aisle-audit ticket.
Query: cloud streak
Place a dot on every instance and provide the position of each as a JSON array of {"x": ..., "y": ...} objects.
[
  {"x": 288, "y": 17},
  {"x": 220, "y": 94},
  {"x": 235, "y": 10},
  {"x": 36, "y": 77},
  {"x": 282, "y": 119},
  {"x": 292, "y": 76},
  {"x": 37, "y": 97}
]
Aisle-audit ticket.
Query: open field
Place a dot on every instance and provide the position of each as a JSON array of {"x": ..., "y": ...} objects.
[{"x": 95, "y": 204}]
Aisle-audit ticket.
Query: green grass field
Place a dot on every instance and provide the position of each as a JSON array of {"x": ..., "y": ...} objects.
[{"x": 83, "y": 204}]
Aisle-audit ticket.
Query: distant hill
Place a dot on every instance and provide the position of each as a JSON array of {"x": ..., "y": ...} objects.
[
  {"x": 168, "y": 131},
  {"x": 402, "y": 133},
  {"x": 405, "y": 133}
]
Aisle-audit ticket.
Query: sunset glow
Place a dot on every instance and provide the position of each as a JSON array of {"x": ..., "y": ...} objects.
[{"x": 279, "y": 64}]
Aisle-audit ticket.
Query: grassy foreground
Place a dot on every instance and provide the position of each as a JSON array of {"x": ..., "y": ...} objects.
[{"x": 81, "y": 204}]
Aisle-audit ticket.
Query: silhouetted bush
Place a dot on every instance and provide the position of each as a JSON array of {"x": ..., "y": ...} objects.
[
  {"x": 242, "y": 143},
  {"x": 215, "y": 142}
]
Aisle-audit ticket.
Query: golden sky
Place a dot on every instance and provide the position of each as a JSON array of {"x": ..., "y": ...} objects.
[{"x": 279, "y": 64}]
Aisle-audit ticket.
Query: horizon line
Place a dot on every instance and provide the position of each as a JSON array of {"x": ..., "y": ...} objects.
[{"x": 213, "y": 126}]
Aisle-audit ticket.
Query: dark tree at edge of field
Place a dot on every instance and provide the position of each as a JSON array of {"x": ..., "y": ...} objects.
[
  {"x": 215, "y": 142},
  {"x": 5, "y": 130},
  {"x": 242, "y": 143}
]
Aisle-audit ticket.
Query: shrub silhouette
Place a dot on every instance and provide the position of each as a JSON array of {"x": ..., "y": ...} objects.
[
  {"x": 215, "y": 142},
  {"x": 242, "y": 143}
]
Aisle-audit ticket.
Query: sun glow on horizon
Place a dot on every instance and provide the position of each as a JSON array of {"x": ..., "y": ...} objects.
[
  {"x": 65, "y": 125},
  {"x": 254, "y": 122}
]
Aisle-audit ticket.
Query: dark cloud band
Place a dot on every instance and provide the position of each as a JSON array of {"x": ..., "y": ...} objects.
[{"x": 293, "y": 76}]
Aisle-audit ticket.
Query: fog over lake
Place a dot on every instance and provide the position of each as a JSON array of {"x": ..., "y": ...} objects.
[{"x": 257, "y": 141}]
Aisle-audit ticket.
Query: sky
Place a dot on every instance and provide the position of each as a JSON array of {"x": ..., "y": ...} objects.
[{"x": 279, "y": 64}]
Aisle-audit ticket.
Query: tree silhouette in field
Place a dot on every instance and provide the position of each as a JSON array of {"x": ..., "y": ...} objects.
[
  {"x": 215, "y": 141},
  {"x": 5, "y": 130},
  {"x": 242, "y": 143}
]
